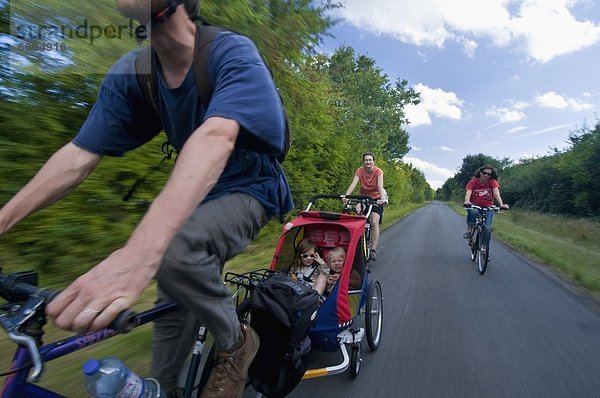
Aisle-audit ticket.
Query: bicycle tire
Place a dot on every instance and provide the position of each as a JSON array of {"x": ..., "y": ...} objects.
[
  {"x": 243, "y": 313},
  {"x": 374, "y": 314},
  {"x": 483, "y": 251},
  {"x": 368, "y": 246},
  {"x": 355, "y": 360},
  {"x": 205, "y": 371},
  {"x": 474, "y": 244}
]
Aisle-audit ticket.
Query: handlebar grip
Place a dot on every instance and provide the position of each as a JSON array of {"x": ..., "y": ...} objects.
[
  {"x": 48, "y": 295},
  {"x": 124, "y": 322}
]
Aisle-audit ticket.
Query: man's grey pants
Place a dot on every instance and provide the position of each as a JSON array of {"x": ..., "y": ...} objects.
[{"x": 191, "y": 275}]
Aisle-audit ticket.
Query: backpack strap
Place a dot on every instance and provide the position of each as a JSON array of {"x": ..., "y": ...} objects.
[
  {"x": 145, "y": 67},
  {"x": 146, "y": 77},
  {"x": 308, "y": 273},
  {"x": 205, "y": 34}
]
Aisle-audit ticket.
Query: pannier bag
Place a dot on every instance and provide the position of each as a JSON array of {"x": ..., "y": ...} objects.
[{"x": 282, "y": 311}]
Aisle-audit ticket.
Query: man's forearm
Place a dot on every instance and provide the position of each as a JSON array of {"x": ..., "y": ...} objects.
[
  {"x": 64, "y": 171},
  {"x": 198, "y": 167}
]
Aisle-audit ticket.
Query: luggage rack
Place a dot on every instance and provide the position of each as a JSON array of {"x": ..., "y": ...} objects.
[{"x": 242, "y": 285}]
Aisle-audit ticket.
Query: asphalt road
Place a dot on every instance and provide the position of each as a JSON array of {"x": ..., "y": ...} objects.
[{"x": 516, "y": 331}]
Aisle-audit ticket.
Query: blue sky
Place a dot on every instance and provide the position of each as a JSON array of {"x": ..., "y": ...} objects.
[{"x": 507, "y": 78}]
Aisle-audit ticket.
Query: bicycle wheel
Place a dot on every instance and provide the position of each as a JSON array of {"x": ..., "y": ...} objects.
[
  {"x": 243, "y": 313},
  {"x": 483, "y": 250},
  {"x": 367, "y": 243},
  {"x": 374, "y": 314},
  {"x": 355, "y": 360},
  {"x": 474, "y": 244},
  {"x": 205, "y": 372}
]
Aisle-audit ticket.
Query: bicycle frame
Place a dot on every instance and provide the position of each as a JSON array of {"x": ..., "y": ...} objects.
[{"x": 18, "y": 384}]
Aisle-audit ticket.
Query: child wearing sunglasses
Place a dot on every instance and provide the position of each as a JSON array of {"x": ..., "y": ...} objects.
[{"x": 309, "y": 267}]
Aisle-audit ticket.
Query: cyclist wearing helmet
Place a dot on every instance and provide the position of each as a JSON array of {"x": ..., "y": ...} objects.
[{"x": 226, "y": 175}]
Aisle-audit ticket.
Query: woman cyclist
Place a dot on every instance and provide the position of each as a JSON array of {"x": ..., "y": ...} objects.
[
  {"x": 481, "y": 191},
  {"x": 371, "y": 184}
]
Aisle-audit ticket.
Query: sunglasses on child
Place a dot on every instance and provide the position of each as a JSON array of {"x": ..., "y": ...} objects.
[{"x": 306, "y": 255}]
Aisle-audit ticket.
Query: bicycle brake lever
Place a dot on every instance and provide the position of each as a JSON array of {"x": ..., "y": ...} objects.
[{"x": 14, "y": 321}]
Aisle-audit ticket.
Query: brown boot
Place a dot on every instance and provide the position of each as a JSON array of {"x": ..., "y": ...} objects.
[{"x": 228, "y": 376}]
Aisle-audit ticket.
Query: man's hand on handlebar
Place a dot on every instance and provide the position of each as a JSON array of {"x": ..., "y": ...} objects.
[{"x": 98, "y": 296}]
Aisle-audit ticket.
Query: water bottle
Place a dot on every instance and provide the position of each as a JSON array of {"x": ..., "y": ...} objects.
[{"x": 111, "y": 378}]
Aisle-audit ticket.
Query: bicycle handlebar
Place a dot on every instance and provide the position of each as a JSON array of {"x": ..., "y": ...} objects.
[
  {"x": 13, "y": 288},
  {"x": 26, "y": 305},
  {"x": 366, "y": 199},
  {"x": 472, "y": 206}
]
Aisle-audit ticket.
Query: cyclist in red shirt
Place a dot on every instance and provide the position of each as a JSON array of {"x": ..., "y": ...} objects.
[
  {"x": 371, "y": 184},
  {"x": 481, "y": 191}
]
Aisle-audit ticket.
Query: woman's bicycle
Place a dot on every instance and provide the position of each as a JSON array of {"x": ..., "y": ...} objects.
[
  {"x": 480, "y": 237},
  {"x": 23, "y": 318}
]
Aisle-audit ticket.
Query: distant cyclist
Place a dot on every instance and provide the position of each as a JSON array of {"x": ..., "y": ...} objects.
[
  {"x": 481, "y": 191},
  {"x": 371, "y": 184}
]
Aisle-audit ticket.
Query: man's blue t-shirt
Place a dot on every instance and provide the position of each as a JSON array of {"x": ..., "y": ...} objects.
[{"x": 243, "y": 90}]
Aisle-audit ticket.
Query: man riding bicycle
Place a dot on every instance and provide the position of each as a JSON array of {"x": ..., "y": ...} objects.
[
  {"x": 481, "y": 191},
  {"x": 225, "y": 185}
]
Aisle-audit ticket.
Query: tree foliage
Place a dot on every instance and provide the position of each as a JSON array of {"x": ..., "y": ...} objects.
[{"x": 565, "y": 182}]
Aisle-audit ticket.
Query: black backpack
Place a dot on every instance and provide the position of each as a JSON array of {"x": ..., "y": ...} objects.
[
  {"x": 282, "y": 310},
  {"x": 205, "y": 34}
]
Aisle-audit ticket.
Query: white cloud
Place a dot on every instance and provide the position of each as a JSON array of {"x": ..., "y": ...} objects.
[
  {"x": 436, "y": 102},
  {"x": 515, "y": 130},
  {"x": 548, "y": 130},
  {"x": 415, "y": 148},
  {"x": 417, "y": 115},
  {"x": 549, "y": 29},
  {"x": 554, "y": 100},
  {"x": 520, "y": 104},
  {"x": 435, "y": 175},
  {"x": 446, "y": 149},
  {"x": 505, "y": 115},
  {"x": 469, "y": 46},
  {"x": 544, "y": 28}
]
